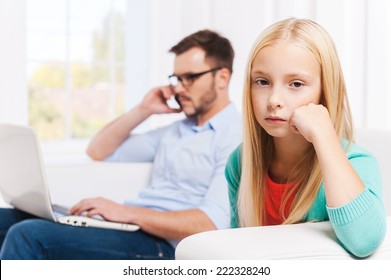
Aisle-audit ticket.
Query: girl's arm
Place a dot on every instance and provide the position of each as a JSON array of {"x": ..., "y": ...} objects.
[
  {"x": 342, "y": 184},
  {"x": 352, "y": 183}
]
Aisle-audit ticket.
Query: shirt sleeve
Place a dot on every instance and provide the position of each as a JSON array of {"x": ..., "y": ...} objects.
[
  {"x": 138, "y": 147},
  {"x": 216, "y": 202},
  {"x": 360, "y": 225}
]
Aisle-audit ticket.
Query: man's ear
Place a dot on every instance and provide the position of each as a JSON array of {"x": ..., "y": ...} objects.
[{"x": 222, "y": 78}]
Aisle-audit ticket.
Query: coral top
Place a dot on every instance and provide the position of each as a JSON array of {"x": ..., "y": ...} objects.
[{"x": 273, "y": 199}]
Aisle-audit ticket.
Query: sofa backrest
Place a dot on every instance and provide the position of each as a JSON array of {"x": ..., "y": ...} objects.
[
  {"x": 378, "y": 143},
  {"x": 69, "y": 183}
]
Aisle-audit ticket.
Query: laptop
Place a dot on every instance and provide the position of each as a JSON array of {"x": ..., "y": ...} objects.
[{"x": 23, "y": 181}]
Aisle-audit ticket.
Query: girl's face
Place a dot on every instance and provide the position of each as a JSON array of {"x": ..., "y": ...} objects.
[{"x": 284, "y": 77}]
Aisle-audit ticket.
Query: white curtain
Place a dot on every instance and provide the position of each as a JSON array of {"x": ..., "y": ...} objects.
[
  {"x": 13, "y": 85},
  {"x": 361, "y": 30}
]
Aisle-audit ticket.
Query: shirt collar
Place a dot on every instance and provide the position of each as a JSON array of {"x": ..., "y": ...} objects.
[
  {"x": 218, "y": 121},
  {"x": 224, "y": 117}
]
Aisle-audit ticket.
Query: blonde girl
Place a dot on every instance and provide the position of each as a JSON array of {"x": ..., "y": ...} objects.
[{"x": 298, "y": 162}]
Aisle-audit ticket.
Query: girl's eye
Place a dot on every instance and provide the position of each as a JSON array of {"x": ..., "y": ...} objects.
[
  {"x": 297, "y": 84},
  {"x": 262, "y": 82}
]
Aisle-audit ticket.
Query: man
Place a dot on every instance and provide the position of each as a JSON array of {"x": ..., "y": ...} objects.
[{"x": 188, "y": 191}]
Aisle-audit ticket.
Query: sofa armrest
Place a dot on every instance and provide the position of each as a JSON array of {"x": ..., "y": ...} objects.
[
  {"x": 299, "y": 241},
  {"x": 69, "y": 183}
]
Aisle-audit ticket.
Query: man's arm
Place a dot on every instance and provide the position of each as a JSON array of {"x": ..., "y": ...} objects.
[
  {"x": 116, "y": 132},
  {"x": 174, "y": 225}
]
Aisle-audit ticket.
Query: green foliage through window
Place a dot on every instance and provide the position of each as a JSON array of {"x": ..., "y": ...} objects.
[{"x": 74, "y": 99}]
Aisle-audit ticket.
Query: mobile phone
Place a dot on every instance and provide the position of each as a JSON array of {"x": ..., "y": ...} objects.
[{"x": 173, "y": 102}]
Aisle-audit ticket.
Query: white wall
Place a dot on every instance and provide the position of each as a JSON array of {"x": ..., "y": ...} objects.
[{"x": 13, "y": 84}]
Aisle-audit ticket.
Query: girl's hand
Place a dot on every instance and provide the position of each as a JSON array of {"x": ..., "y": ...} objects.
[{"x": 312, "y": 121}]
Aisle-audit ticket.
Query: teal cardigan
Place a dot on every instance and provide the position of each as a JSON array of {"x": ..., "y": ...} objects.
[{"x": 360, "y": 225}]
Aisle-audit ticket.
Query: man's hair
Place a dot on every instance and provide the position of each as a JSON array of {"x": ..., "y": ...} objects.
[{"x": 217, "y": 49}]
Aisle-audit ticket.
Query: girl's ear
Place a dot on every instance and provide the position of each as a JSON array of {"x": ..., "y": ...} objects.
[{"x": 222, "y": 78}]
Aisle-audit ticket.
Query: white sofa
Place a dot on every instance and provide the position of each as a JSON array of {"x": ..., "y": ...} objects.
[{"x": 70, "y": 182}]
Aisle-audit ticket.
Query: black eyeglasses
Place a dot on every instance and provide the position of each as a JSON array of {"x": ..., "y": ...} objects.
[{"x": 188, "y": 79}]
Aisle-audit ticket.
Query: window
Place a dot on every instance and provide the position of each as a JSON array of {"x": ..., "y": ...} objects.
[{"x": 75, "y": 65}]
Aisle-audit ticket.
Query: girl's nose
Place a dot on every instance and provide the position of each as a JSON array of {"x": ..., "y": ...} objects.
[{"x": 275, "y": 100}]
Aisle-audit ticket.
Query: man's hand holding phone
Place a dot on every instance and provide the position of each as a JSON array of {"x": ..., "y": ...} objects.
[{"x": 161, "y": 100}]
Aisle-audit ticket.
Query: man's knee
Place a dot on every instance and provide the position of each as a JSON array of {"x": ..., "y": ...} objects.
[
  {"x": 21, "y": 239},
  {"x": 28, "y": 228}
]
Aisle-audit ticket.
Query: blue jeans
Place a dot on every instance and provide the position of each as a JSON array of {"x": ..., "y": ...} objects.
[{"x": 23, "y": 236}]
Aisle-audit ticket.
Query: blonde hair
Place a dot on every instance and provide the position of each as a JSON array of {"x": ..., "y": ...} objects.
[{"x": 257, "y": 147}]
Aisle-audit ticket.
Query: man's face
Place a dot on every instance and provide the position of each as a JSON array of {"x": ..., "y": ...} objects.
[{"x": 197, "y": 96}]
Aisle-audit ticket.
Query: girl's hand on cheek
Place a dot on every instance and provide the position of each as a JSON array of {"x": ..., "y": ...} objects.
[{"x": 311, "y": 121}]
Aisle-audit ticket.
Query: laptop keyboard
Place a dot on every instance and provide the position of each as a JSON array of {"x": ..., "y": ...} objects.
[
  {"x": 64, "y": 211},
  {"x": 60, "y": 209}
]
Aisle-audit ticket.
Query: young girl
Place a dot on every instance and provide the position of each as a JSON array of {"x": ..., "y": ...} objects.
[{"x": 298, "y": 162}]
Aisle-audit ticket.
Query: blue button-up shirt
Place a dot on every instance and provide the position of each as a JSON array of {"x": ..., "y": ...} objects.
[{"x": 188, "y": 164}]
